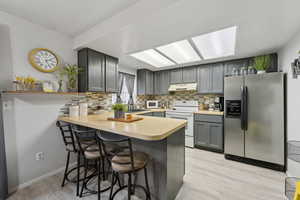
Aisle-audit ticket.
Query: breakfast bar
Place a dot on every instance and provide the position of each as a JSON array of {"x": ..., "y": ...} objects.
[{"x": 161, "y": 138}]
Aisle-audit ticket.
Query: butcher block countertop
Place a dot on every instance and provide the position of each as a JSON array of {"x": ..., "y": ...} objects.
[
  {"x": 150, "y": 128},
  {"x": 207, "y": 112}
]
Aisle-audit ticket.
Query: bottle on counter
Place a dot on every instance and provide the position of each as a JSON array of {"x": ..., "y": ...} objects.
[{"x": 83, "y": 109}]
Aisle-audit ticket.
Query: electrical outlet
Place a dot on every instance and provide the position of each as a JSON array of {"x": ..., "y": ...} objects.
[
  {"x": 7, "y": 105},
  {"x": 39, "y": 156}
]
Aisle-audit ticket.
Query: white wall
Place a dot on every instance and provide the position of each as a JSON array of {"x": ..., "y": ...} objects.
[
  {"x": 286, "y": 55},
  {"x": 30, "y": 123}
]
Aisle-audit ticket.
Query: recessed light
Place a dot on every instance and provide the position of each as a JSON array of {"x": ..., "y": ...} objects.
[
  {"x": 153, "y": 58},
  {"x": 181, "y": 52},
  {"x": 216, "y": 44}
]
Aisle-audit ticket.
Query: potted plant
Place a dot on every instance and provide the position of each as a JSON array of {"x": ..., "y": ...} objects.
[
  {"x": 262, "y": 63},
  {"x": 71, "y": 71},
  {"x": 119, "y": 110}
]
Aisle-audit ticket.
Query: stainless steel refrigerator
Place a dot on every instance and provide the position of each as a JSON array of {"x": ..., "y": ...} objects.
[
  {"x": 255, "y": 118},
  {"x": 3, "y": 173}
]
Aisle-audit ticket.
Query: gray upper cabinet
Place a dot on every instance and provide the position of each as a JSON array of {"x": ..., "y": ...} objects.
[
  {"x": 210, "y": 79},
  {"x": 161, "y": 82},
  {"x": 92, "y": 79},
  {"x": 217, "y": 79},
  {"x": 204, "y": 79},
  {"x": 111, "y": 80},
  {"x": 145, "y": 82},
  {"x": 157, "y": 83},
  {"x": 176, "y": 76},
  {"x": 149, "y": 82},
  {"x": 189, "y": 75},
  {"x": 141, "y": 82},
  {"x": 164, "y": 82},
  {"x": 100, "y": 72},
  {"x": 236, "y": 64}
]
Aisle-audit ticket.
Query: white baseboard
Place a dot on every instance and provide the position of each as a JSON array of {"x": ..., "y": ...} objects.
[{"x": 35, "y": 180}]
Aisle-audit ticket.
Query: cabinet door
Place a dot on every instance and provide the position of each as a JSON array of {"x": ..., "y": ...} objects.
[
  {"x": 189, "y": 75},
  {"x": 164, "y": 82},
  {"x": 141, "y": 82},
  {"x": 83, "y": 76},
  {"x": 204, "y": 80},
  {"x": 176, "y": 76},
  {"x": 149, "y": 83},
  {"x": 229, "y": 66},
  {"x": 201, "y": 134},
  {"x": 217, "y": 79},
  {"x": 96, "y": 71},
  {"x": 159, "y": 114},
  {"x": 216, "y": 136},
  {"x": 148, "y": 114},
  {"x": 111, "y": 74},
  {"x": 157, "y": 82}
]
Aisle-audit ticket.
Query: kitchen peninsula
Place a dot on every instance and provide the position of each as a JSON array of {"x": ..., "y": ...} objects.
[{"x": 161, "y": 138}]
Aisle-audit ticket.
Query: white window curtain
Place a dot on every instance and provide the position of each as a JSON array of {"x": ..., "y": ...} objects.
[{"x": 125, "y": 94}]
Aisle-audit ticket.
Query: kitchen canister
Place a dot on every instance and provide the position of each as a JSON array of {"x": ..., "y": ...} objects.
[
  {"x": 83, "y": 107},
  {"x": 74, "y": 111}
]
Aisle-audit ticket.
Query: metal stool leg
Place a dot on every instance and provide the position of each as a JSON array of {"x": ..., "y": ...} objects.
[
  {"x": 112, "y": 185},
  {"x": 129, "y": 186},
  {"x": 134, "y": 182},
  {"x": 78, "y": 174},
  {"x": 98, "y": 163},
  {"x": 147, "y": 184},
  {"x": 85, "y": 174},
  {"x": 66, "y": 169}
]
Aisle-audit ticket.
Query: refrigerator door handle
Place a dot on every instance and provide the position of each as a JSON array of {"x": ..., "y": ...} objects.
[
  {"x": 245, "y": 108},
  {"x": 242, "y": 108}
]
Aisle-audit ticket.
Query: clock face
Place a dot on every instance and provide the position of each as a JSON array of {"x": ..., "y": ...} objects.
[{"x": 44, "y": 60}]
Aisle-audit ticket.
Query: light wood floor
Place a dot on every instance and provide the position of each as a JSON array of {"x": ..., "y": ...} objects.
[{"x": 208, "y": 177}]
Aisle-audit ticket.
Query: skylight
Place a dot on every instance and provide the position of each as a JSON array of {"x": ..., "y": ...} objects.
[
  {"x": 207, "y": 46},
  {"x": 181, "y": 52},
  {"x": 153, "y": 58},
  {"x": 216, "y": 44}
]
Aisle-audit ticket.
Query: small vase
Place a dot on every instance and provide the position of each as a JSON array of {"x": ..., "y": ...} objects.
[{"x": 119, "y": 114}]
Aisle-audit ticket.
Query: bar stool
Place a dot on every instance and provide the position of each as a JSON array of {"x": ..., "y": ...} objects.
[
  {"x": 127, "y": 162},
  {"x": 92, "y": 152},
  {"x": 69, "y": 141}
]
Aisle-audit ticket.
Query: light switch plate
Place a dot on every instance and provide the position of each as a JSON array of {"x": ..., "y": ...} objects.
[{"x": 7, "y": 105}]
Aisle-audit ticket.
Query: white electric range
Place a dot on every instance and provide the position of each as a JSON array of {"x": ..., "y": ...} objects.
[{"x": 185, "y": 110}]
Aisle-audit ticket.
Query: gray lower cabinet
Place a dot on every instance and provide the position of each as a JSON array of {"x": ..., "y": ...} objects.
[
  {"x": 209, "y": 132},
  {"x": 159, "y": 114},
  {"x": 154, "y": 114},
  {"x": 145, "y": 82}
]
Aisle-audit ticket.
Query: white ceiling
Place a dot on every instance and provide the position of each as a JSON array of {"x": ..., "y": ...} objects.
[
  {"x": 67, "y": 16},
  {"x": 121, "y": 27}
]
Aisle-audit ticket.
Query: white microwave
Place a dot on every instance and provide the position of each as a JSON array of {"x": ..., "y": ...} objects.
[{"x": 152, "y": 104}]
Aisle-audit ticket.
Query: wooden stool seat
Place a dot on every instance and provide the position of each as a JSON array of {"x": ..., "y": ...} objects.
[{"x": 121, "y": 163}]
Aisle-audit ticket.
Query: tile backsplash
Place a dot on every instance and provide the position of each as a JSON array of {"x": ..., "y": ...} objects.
[
  {"x": 177, "y": 96},
  {"x": 96, "y": 101}
]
